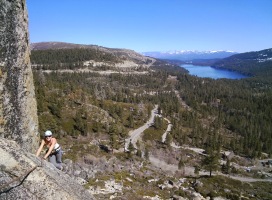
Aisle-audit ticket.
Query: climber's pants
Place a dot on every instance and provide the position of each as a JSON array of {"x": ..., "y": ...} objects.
[{"x": 55, "y": 159}]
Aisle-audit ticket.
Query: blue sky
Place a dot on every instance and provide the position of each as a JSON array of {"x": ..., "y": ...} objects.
[{"x": 154, "y": 25}]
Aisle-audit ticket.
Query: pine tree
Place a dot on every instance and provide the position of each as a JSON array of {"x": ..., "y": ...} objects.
[
  {"x": 211, "y": 162},
  {"x": 146, "y": 154},
  {"x": 130, "y": 147},
  {"x": 168, "y": 139},
  {"x": 181, "y": 166},
  {"x": 228, "y": 166}
]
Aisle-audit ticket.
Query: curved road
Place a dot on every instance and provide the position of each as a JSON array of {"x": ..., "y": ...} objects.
[
  {"x": 188, "y": 170},
  {"x": 135, "y": 134}
]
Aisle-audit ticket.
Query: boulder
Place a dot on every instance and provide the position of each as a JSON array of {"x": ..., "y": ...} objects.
[{"x": 24, "y": 176}]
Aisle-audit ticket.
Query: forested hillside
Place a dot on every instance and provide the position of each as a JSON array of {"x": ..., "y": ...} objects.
[
  {"x": 235, "y": 114},
  {"x": 85, "y": 108},
  {"x": 257, "y": 63},
  {"x": 69, "y": 58},
  {"x": 238, "y": 113}
]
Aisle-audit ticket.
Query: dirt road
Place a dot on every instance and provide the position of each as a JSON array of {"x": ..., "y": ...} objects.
[
  {"x": 135, "y": 134},
  {"x": 188, "y": 170},
  {"x": 169, "y": 127}
]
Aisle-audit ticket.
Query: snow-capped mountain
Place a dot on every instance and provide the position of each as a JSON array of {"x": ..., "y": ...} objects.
[{"x": 189, "y": 55}]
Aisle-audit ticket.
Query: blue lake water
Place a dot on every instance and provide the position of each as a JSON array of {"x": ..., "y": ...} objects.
[{"x": 210, "y": 72}]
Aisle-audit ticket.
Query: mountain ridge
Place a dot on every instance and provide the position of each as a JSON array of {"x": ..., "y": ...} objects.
[
  {"x": 79, "y": 103},
  {"x": 257, "y": 63},
  {"x": 190, "y": 55},
  {"x": 122, "y": 55},
  {"x": 94, "y": 57}
]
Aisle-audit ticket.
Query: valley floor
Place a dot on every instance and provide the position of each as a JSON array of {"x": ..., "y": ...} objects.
[{"x": 189, "y": 170}]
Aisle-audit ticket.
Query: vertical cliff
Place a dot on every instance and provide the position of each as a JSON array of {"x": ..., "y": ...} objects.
[
  {"x": 18, "y": 110},
  {"x": 22, "y": 175}
]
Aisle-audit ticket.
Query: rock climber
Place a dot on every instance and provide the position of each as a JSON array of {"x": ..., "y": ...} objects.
[{"x": 53, "y": 152}]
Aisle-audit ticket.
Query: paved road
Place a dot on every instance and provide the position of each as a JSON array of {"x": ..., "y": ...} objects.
[{"x": 135, "y": 134}]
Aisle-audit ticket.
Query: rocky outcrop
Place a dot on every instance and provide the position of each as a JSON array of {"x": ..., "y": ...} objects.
[
  {"x": 18, "y": 110},
  {"x": 24, "y": 176}
]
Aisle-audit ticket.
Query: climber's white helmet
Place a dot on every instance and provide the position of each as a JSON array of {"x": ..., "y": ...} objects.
[{"x": 47, "y": 133}]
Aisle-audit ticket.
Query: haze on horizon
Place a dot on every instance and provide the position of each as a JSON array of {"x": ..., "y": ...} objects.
[{"x": 154, "y": 25}]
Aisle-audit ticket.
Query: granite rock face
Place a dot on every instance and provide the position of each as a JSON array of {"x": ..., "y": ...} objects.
[
  {"x": 18, "y": 107},
  {"x": 44, "y": 182},
  {"x": 21, "y": 174}
]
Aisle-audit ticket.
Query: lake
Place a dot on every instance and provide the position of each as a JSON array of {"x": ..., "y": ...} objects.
[{"x": 210, "y": 72}]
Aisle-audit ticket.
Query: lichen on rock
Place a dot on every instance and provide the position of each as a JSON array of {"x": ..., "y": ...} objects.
[
  {"x": 21, "y": 174},
  {"x": 18, "y": 110}
]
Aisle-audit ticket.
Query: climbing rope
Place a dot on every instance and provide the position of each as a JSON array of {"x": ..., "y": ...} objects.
[
  {"x": 22, "y": 177},
  {"x": 18, "y": 178}
]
